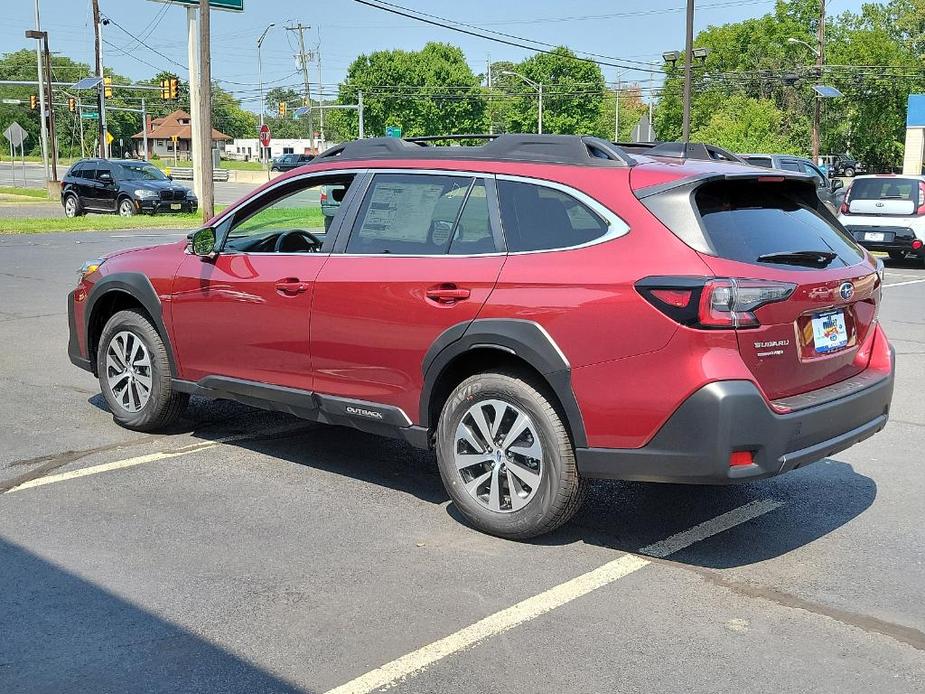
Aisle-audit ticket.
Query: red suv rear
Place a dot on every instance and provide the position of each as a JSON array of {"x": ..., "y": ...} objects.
[{"x": 540, "y": 310}]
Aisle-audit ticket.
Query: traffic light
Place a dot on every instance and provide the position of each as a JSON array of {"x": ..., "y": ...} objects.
[
  {"x": 71, "y": 104},
  {"x": 282, "y": 109},
  {"x": 107, "y": 87},
  {"x": 170, "y": 88},
  {"x": 33, "y": 102},
  {"x": 165, "y": 89}
]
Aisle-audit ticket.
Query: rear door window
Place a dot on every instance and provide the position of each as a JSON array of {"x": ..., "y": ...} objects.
[
  {"x": 409, "y": 214},
  {"x": 536, "y": 217},
  {"x": 744, "y": 220}
]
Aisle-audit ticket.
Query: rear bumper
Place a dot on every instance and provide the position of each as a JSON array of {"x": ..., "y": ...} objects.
[
  {"x": 895, "y": 237},
  {"x": 694, "y": 445}
]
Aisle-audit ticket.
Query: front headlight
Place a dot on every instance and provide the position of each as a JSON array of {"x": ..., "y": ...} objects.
[
  {"x": 88, "y": 267},
  {"x": 143, "y": 193},
  {"x": 190, "y": 195}
]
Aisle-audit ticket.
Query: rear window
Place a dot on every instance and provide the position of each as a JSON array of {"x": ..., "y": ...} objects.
[
  {"x": 745, "y": 220},
  {"x": 759, "y": 161},
  {"x": 884, "y": 189}
]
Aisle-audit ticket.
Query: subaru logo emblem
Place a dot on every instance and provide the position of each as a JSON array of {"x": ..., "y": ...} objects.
[{"x": 846, "y": 291}]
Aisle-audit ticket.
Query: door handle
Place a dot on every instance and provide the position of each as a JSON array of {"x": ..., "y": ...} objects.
[
  {"x": 291, "y": 286},
  {"x": 447, "y": 293}
]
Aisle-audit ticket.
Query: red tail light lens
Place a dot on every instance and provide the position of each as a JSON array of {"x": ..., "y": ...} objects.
[
  {"x": 741, "y": 458},
  {"x": 324, "y": 195},
  {"x": 708, "y": 303},
  {"x": 920, "y": 207}
]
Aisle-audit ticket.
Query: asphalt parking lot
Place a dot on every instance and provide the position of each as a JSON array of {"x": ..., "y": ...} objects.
[{"x": 255, "y": 552}]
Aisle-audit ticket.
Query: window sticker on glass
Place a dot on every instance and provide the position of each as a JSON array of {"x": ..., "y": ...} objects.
[{"x": 399, "y": 211}]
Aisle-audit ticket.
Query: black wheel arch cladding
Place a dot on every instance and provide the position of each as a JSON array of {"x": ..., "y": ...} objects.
[
  {"x": 137, "y": 286},
  {"x": 526, "y": 340}
]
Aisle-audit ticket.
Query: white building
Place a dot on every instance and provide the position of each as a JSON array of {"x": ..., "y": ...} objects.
[{"x": 248, "y": 148}]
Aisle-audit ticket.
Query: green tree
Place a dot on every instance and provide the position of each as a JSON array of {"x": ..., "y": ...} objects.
[
  {"x": 426, "y": 92},
  {"x": 744, "y": 124}
]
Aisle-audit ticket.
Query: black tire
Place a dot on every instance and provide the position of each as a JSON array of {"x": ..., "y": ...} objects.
[
  {"x": 72, "y": 206},
  {"x": 897, "y": 255},
  {"x": 560, "y": 491},
  {"x": 164, "y": 405},
  {"x": 849, "y": 172}
]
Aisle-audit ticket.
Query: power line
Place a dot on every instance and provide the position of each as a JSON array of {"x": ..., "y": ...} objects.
[{"x": 405, "y": 12}]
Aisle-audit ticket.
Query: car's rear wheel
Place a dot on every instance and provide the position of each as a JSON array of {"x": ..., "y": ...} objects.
[
  {"x": 72, "y": 206},
  {"x": 849, "y": 171},
  {"x": 134, "y": 374},
  {"x": 506, "y": 458},
  {"x": 126, "y": 208}
]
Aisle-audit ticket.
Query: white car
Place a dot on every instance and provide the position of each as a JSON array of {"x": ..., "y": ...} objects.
[{"x": 886, "y": 212}]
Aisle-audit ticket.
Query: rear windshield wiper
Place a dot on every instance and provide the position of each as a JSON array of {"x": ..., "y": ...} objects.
[{"x": 807, "y": 258}]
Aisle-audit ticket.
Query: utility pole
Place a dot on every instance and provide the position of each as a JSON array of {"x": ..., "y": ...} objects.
[
  {"x": 491, "y": 115},
  {"x": 688, "y": 60},
  {"x": 192, "y": 58},
  {"x": 41, "y": 78},
  {"x": 616, "y": 112},
  {"x": 101, "y": 98},
  {"x": 820, "y": 62},
  {"x": 144, "y": 129},
  {"x": 207, "y": 201},
  {"x": 52, "y": 138},
  {"x": 362, "y": 130},
  {"x": 321, "y": 145},
  {"x": 263, "y": 104},
  {"x": 303, "y": 59}
]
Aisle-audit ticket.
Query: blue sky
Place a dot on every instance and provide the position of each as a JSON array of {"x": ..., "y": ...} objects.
[{"x": 644, "y": 29}]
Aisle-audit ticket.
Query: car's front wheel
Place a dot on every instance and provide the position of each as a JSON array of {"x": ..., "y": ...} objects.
[
  {"x": 506, "y": 458},
  {"x": 126, "y": 208},
  {"x": 72, "y": 206},
  {"x": 134, "y": 374},
  {"x": 849, "y": 172}
]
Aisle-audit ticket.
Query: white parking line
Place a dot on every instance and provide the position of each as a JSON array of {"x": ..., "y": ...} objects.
[
  {"x": 413, "y": 663},
  {"x": 900, "y": 284},
  {"x": 149, "y": 458}
]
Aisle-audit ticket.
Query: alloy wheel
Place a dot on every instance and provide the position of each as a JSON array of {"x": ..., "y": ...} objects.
[
  {"x": 498, "y": 455},
  {"x": 128, "y": 371},
  {"x": 126, "y": 208},
  {"x": 70, "y": 206}
]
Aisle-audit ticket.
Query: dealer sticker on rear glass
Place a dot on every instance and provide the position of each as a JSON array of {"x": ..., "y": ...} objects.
[{"x": 829, "y": 331}]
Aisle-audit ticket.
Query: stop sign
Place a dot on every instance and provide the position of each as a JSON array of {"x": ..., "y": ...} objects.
[{"x": 265, "y": 135}]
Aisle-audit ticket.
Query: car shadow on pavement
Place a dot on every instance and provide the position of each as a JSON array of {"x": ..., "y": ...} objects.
[
  {"x": 61, "y": 633},
  {"x": 814, "y": 500}
]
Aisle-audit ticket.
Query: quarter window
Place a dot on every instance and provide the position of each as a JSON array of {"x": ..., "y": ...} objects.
[
  {"x": 412, "y": 214},
  {"x": 536, "y": 217}
]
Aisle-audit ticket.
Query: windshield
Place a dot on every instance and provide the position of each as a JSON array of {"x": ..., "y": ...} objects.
[{"x": 141, "y": 172}]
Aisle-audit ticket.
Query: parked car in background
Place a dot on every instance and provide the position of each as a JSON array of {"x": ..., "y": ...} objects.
[
  {"x": 830, "y": 190},
  {"x": 885, "y": 212},
  {"x": 842, "y": 165},
  {"x": 288, "y": 162},
  {"x": 123, "y": 186},
  {"x": 721, "y": 327}
]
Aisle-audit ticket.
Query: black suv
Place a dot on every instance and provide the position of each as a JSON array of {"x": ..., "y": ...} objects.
[
  {"x": 288, "y": 162},
  {"x": 123, "y": 186}
]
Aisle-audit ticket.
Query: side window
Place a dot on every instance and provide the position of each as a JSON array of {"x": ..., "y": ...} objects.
[
  {"x": 408, "y": 214},
  {"x": 290, "y": 220},
  {"x": 101, "y": 173},
  {"x": 473, "y": 230},
  {"x": 536, "y": 217},
  {"x": 76, "y": 171},
  {"x": 87, "y": 173},
  {"x": 759, "y": 161},
  {"x": 790, "y": 165}
]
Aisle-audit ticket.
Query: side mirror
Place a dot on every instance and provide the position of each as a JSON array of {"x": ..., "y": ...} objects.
[
  {"x": 202, "y": 243},
  {"x": 837, "y": 184}
]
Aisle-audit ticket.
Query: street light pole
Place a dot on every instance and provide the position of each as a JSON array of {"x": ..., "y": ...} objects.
[
  {"x": 538, "y": 86},
  {"x": 263, "y": 105},
  {"x": 819, "y": 53},
  {"x": 53, "y": 142},
  {"x": 42, "y": 112},
  {"x": 688, "y": 61}
]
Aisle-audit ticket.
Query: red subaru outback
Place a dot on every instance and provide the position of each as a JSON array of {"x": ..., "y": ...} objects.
[{"x": 540, "y": 310}]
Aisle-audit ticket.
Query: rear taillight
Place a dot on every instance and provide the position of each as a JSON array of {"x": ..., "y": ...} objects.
[
  {"x": 920, "y": 207},
  {"x": 846, "y": 201},
  {"x": 324, "y": 196},
  {"x": 712, "y": 303}
]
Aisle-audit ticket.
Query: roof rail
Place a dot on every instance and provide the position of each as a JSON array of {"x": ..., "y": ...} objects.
[
  {"x": 553, "y": 149},
  {"x": 681, "y": 150}
]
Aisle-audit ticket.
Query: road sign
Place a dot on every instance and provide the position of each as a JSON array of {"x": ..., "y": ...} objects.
[
  {"x": 230, "y": 5},
  {"x": 109, "y": 138},
  {"x": 393, "y": 131},
  {"x": 15, "y": 134},
  {"x": 90, "y": 115},
  {"x": 264, "y": 135}
]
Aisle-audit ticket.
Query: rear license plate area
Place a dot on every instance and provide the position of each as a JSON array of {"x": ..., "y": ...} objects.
[
  {"x": 830, "y": 331},
  {"x": 874, "y": 236}
]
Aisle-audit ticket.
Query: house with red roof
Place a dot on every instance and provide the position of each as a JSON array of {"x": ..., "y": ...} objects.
[{"x": 173, "y": 131}]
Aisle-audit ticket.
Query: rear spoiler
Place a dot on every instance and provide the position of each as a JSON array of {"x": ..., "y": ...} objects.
[{"x": 772, "y": 176}]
